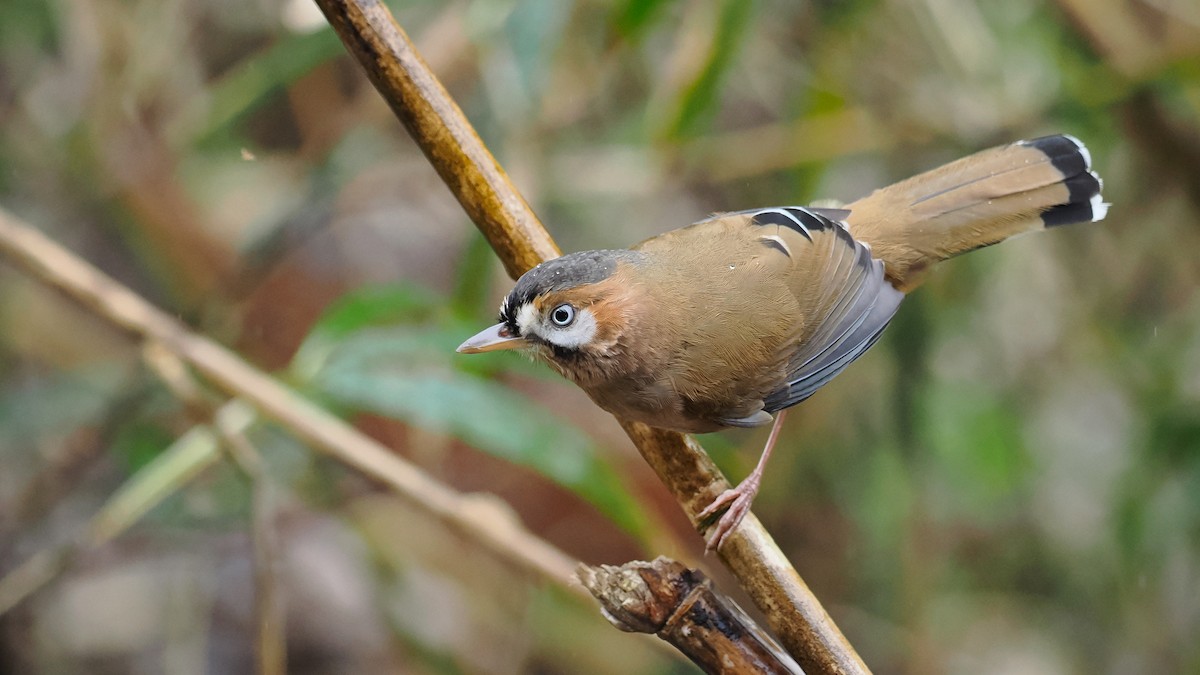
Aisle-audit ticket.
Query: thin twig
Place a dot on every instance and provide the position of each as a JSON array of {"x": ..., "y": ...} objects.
[
  {"x": 183, "y": 460},
  {"x": 231, "y": 422},
  {"x": 371, "y": 34},
  {"x": 477, "y": 518},
  {"x": 36, "y": 572},
  {"x": 271, "y": 637},
  {"x": 270, "y": 641}
]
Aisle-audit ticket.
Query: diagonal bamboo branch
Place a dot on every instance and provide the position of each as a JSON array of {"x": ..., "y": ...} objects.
[
  {"x": 443, "y": 132},
  {"x": 371, "y": 34}
]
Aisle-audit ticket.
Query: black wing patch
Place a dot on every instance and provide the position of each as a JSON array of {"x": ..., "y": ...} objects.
[
  {"x": 863, "y": 307},
  {"x": 774, "y": 242},
  {"x": 795, "y": 218},
  {"x": 861, "y": 301}
]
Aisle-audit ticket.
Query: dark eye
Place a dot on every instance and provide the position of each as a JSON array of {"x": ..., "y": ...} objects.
[{"x": 563, "y": 315}]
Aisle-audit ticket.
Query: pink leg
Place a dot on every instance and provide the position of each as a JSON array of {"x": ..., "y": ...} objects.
[{"x": 736, "y": 501}]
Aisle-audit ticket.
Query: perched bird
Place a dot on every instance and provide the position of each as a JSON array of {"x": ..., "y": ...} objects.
[{"x": 735, "y": 318}]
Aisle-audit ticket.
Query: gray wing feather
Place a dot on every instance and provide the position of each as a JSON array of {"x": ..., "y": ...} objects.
[{"x": 864, "y": 305}]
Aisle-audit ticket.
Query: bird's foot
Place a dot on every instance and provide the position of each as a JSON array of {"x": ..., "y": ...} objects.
[{"x": 735, "y": 503}]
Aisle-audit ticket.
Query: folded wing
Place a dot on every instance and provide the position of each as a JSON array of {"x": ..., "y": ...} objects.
[{"x": 845, "y": 299}]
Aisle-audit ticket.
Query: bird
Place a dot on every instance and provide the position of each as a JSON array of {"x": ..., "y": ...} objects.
[{"x": 730, "y": 321}]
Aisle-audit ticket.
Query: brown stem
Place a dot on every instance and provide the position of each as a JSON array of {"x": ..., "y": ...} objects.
[
  {"x": 491, "y": 526},
  {"x": 792, "y": 611},
  {"x": 230, "y": 422},
  {"x": 372, "y": 35},
  {"x": 681, "y": 606}
]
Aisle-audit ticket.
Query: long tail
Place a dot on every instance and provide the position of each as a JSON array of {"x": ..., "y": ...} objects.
[{"x": 975, "y": 202}]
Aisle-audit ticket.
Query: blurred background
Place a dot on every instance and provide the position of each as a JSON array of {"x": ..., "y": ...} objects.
[{"x": 1009, "y": 482}]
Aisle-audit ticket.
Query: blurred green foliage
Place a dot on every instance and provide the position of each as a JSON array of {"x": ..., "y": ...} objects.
[
  {"x": 1009, "y": 482},
  {"x": 699, "y": 98},
  {"x": 408, "y": 373}
]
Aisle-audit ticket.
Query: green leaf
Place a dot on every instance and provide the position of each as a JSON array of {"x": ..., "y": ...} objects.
[
  {"x": 442, "y": 330},
  {"x": 56, "y": 403},
  {"x": 632, "y": 17},
  {"x": 407, "y": 375},
  {"x": 26, "y": 25},
  {"x": 534, "y": 30},
  {"x": 139, "y": 442},
  {"x": 165, "y": 475},
  {"x": 472, "y": 283},
  {"x": 375, "y": 306},
  {"x": 701, "y": 96},
  {"x": 252, "y": 81},
  {"x": 978, "y": 446},
  {"x": 368, "y": 306}
]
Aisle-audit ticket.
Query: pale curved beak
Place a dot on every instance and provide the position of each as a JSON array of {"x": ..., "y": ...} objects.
[{"x": 492, "y": 339}]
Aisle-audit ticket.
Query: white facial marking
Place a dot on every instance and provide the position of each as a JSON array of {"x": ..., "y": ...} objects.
[
  {"x": 527, "y": 319},
  {"x": 578, "y": 334}
]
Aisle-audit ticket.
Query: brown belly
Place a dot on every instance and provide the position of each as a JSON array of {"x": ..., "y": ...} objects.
[{"x": 656, "y": 404}]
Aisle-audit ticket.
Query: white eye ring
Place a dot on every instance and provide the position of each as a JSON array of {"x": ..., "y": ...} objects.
[{"x": 563, "y": 315}]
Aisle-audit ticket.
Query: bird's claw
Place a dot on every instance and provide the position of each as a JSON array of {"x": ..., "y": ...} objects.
[{"x": 735, "y": 503}]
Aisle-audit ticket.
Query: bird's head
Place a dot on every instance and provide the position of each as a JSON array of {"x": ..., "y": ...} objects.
[{"x": 572, "y": 311}]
